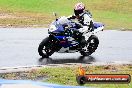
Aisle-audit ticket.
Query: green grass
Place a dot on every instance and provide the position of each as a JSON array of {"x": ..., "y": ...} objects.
[
  {"x": 67, "y": 75},
  {"x": 113, "y": 13}
]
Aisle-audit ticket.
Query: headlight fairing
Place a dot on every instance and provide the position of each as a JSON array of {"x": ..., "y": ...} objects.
[{"x": 52, "y": 28}]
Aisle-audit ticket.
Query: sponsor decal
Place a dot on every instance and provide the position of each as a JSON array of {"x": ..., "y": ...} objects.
[{"x": 83, "y": 78}]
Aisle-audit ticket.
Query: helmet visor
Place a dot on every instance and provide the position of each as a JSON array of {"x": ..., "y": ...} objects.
[{"x": 77, "y": 12}]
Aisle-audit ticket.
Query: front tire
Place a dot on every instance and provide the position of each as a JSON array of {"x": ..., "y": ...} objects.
[
  {"x": 91, "y": 46},
  {"x": 45, "y": 48}
]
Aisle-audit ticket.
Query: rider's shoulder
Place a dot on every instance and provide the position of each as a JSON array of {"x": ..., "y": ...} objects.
[{"x": 87, "y": 12}]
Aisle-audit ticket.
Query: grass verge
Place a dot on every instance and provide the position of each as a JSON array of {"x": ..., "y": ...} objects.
[
  {"x": 67, "y": 75},
  {"x": 115, "y": 14}
]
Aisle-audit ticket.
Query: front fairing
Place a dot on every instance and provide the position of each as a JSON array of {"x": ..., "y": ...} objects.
[
  {"x": 60, "y": 27},
  {"x": 57, "y": 27}
]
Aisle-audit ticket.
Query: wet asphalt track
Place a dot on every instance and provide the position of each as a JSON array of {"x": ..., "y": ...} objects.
[{"x": 18, "y": 47}]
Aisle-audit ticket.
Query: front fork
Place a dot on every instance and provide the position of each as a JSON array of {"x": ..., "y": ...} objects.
[{"x": 55, "y": 42}]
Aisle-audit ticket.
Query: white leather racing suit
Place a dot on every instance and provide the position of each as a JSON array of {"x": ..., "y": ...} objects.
[{"x": 85, "y": 19}]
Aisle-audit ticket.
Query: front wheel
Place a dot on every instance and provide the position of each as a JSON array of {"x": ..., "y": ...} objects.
[
  {"x": 91, "y": 46},
  {"x": 46, "y": 47}
]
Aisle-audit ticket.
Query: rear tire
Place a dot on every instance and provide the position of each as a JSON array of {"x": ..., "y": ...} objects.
[{"x": 91, "y": 46}]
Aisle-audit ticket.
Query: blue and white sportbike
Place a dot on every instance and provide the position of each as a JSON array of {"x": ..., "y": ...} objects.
[{"x": 64, "y": 37}]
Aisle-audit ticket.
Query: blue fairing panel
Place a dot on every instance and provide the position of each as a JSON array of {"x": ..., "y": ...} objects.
[
  {"x": 60, "y": 37},
  {"x": 59, "y": 28},
  {"x": 63, "y": 41}
]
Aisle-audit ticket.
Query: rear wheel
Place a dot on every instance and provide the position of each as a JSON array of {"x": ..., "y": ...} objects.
[
  {"x": 46, "y": 47},
  {"x": 91, "y": 46}
]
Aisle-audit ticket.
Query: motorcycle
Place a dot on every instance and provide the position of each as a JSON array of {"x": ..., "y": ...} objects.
[{"x": 63, "y": 38}]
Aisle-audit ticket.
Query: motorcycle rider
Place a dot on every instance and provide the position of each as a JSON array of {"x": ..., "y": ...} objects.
[{"x": 84, "y": 18}]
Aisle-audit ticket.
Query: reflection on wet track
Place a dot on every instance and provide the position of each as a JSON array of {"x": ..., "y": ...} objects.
[{"x": 81, "y": 59}]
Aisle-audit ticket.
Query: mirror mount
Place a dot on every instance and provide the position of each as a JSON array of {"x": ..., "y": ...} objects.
[{"x": 55, "y": 14}]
